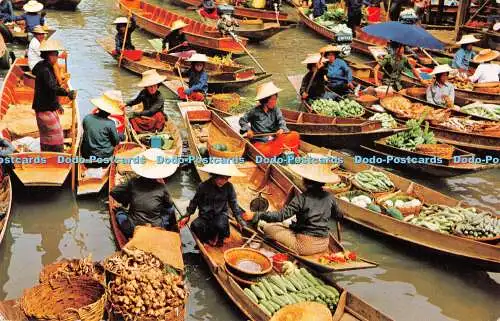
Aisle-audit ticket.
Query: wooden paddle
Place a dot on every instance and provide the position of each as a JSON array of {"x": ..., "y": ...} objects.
[
  {"x": 277, "y": 13},
  {"x": 125, "y": 38},
  {"x": 180, "y": 78},
  {"x": 430, "y": 57},
  {"x": 246, "y": 50}
]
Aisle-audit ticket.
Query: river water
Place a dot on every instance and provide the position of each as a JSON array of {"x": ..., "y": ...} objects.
[{"x": 50, "y": 224}]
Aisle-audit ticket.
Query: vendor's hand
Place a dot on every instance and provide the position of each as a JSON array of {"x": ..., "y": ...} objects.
[
  {"x": 185, "y": 43},
  {"x": 60, "y": 110},
  {"x": 350, "y": 85},
  {"x": 183, "y": 222},
  {"x": 304, "y": 96},
  {"x": 280, "y": 132},
  {"x": 249, "y": 134},
  {"x": 72, "y": 94}
]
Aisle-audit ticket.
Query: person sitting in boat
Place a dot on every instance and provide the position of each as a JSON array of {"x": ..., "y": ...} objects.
[
  {"x": 208, "y": 10},
  {"x": 151, "y": 118},
  {"x": 316, "y": 90},
  {"x": 34, "y": 46},
  {"x": 6, "y": 11},
  {"x": 211, "y": 199},
  {"x": 354, "y": 14},
  {"x": 45, "y": 102},
  {"x": 465, "y": 54},
  {"x": 121, "y": 26},
  {"x": 309, "y": 234},
  {"x": 266, "y": 118},
  {"x": 393, "y": 65},
  {"x": 99, "y": 132},
  {"x": 147, "y": 197},
  {"x": 339, "y": 74},
  {"x": 32, "y": 16},
  {"x": 441, "y": 92},
  {"x": 175, "y": 40},
  {"x": 486, "y": 71},
  {"x": 198, "y": 79}
]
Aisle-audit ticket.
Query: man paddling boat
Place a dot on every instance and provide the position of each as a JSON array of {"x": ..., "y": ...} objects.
[
  {"x": 121, "y": 26},
  {"x": 176, "y": 40}
]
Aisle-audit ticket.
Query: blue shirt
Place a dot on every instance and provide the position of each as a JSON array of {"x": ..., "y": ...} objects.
[
  {"x": 462, "y": 58},
  {"x": 261, "y": 122},
  {"x": 198, "y": 82},
  {"x": 319, "y": 7},
  {"x": 32, "y": 20},
  {"x": 338, "y": 73}
]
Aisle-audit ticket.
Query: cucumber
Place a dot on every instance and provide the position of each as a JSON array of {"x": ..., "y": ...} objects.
[
  {"x": 291, "y": 298},
  {"x": 268, "y": 287},
  {"x": 309, "y": 276},
  {"x": 279, "y": 301},
  {"x": 294, "y": 282},
  {"x": 275, "y": 305},
  {"x": 268, "y": 306},
  {"x": 279, "y": 283},
  {"x": 297, "y": 298},
  {"x": 255, "y": 289},
  {"x": 289, "y": 285},
  {"x": 265, "y": 310},
  {"x": 251, "y": 295},
  {"x": 263, "y": 289},
  {"x": 286, "y": 299},
  {"x": 304, "y": 280},
  {"x": 276, "y": 289},
  {"x": 333, "y": 290},
  {"x": 395, "y": 213},
  {"x": 327, "y": 293}
]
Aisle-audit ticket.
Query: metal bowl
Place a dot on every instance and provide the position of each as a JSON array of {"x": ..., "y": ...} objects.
[{"x": 248, "y": 261}]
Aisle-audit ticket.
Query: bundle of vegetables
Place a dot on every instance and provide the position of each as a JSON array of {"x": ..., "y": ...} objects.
[
  {"x": 345, "y": 108},
  {"x": 342, "y": 29},
  {"x": 74, "y": 268},
  {"x": 470, "y": 125},
  {"x": 339, "y": 257},
  {"x": 373, "y": 181},
  {"x": 222, "y": 61},
  {"x": 462, "y": 83},
  {"x": 387, "y": 120},
  {"x": 274, "y": 292},
  {"x": 358, "y": 198},
  {"x": 478, "y": 225},
  {"x": 143, "y": 289},
  {"x": 332, "y": 17},
  {"x": 481, "y": 111},
  {"x": 412, "y": 137}
]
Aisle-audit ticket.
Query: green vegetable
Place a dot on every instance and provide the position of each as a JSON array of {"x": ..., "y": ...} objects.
[
  {"x": 345, "y": 108},
  {"x": 387, "y": 120},
  {"x": 268, "y": 306},
  {"x": 268, "y": 287},
  {"x": 264, "y": 290},
  {"x": 395, "y": 213},
  {"x": 373, "y": 181},
  {"x": 266, "y": 311},
  {"x": 220, "y": 147},
  {"x": 374, "y": 207},
  {"x": 251, "y": 295},
  {"x": 412, "y": 137},
  {"x": 258, "y": 292}
]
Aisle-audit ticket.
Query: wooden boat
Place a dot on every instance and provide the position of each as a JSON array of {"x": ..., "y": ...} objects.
[
  {"x": 4, "y": 54},
  {"x": 349, "y": 308},
  {"x": 157, "y": 20},
  {"x": 5, "y": 205},
  {"x": 39, "y": 168},
  {"x": 90, "y": 184},
  {"x": 55, "y": 4},
  {"x": 260, "y": 177},
  {"x": 221, "y": 78},
  {"x": 17, "y": 32}
]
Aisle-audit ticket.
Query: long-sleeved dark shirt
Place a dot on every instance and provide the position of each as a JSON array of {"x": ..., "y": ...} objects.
[
  {"x": 354, "y": 5},
  {"x": 46, "y": 88},
  {"x": 312, "y": 209},
  {"x": 99, "y": 136},
  {"x": 174, "y": 39},
  {"x": 212, "y": 200},
  {"x": 319, "y": 7},
  {"x": 317, "y": 89},
  {"x": 32, "y": 20},
  {"x": 128, "y": 43},
  {"x": 198, "y": 81},
  {"x": 149, "y": 200},
  {"x": 152, "y": 103},
  {"x": 261, "y": 122},
  {"x": 6, "y": 11}
]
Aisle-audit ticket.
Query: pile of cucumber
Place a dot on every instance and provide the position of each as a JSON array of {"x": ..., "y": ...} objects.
[
  {"x": 274, "y": 292},
  {"x": 373, "y": 181}
]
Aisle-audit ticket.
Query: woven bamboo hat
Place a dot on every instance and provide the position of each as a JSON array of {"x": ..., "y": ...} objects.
[
  {"x": 441, "y": 69},
  {"x": 303, "y": 311},
  {"x": 468, "y": 39},
  {"x": 155, "y": 164},
  {"x": 198, "y": 58},
  {"x": 311, "y": 59},
  {"x": 120, "y": 20},
  {"x": 177, "y": 24},
  {"x": 39, "y": 30},
  {"x": 486, "y": 55},
  {"x": 51, "y": 45},
  {"x": 33, "y": 6},
  {"x": 267, "y": 90},
  {"x": 228, "y": 169},
  {"x": 330, "y": 48},
  {"x": 151, "y": 78},
  {"x": 321, "y": 173},
  {"x": 109, "y": 102}
]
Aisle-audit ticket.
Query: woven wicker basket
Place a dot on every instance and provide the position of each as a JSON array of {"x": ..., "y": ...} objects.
[
  {"x": 344, "y": 179},
  {"x": 65, "y": 300},
  {"x": 49, "y": 271},
  {"x": 439, "y": 150},
  {"x": 406, "y": 210},
  {"x": 225, "y": 102}
]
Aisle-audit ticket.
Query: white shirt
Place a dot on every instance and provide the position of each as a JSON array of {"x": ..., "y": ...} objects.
[
  {"x": 486, "y": 73},
  {"x": 34, "y": 53}
]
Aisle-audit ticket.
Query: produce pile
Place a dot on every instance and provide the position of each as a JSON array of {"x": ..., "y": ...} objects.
[
  {"x": 478, "y": 225},
  {"x": 358, "y": 199},
  {"x": 412, "y": 137},
  {"x": 222, "y": 61},
  {"x": 339, "y": 257},
  {"x": 402, "y": 202},
  {"x": 387, "y": 120},
  {"x": 403, "y": 107},
  {"x": 471, "y": 126},
  {"x": 143, "y": 287},
  {"x": 345, "y": 108},
  {"x": 75, "y": 268},
  {"x": 337, "y": 186},
  {"x": 482, "y": 111},
  {"x": 373, "y": 181},
  {"x": 297, "y": 285},
  {"x": 331, "y": 18},
  {"x": 462, "y": 83}
]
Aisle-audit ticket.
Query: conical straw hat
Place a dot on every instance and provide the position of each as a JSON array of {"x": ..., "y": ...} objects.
[
  {"x": 198, "y": 58},
  {"x": 151, "y": 78},
  {"x": 51, "y": 45},
  {"x": 303, "y": 311},
  {"x": 441, "y": 69},
  {"x": 39, "y": 29},
  {"x": 468, "y": 39},
  {"x": 486, "y": 55},
  {"x": 266, "y": 90},
  {"x": 312, "y": 59},
  {"x": 177, "y": 24},
  {"x": 33, "y": 6},
  {"x": 228, "y": 169},
  {"x": 109, "y": 102},
  {"x": 155, "y": 165},
  {"x": 120, "y": 20},
  {"x": 330, "y": 48},
  {"x": 321, "y": 173}
]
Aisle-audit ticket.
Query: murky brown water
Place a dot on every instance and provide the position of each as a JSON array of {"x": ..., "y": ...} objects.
[{"x": 51, "y": 224}]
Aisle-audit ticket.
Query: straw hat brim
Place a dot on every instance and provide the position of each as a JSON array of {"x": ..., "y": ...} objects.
[
  {"x": 311, "y": 60},
  {"x": 438, "y": 71},
  {"x": 154, "y": 169},
  {"x": 179, "y": 26},
  {"x": 329, "y": 48},
  {"x": 468, "y": 41},
  {"x": 222, "y": 169},
  {"x": 37, "y": 7},
  {"x": 198, "y": 58},
  {"x": 104, "y": 105},
  {"x": 303, "y": 311},
  {"x": 485, "y": 58},
  {"x": 315, "y": 172},
  {"x": 39, "y": 30},
  {"x": 267, "y": 92},
  {"x": 51, "y": 45},
  {"x": 151, "y": 81}
]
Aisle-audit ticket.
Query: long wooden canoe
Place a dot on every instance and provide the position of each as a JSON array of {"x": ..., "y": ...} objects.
[
  {"x": 157, "y": 20},
  {"x": 87, "y": 184},
  {"x": 260, "y": 177},
  {"x": 17, "y": 32},
  {"x": 219, "y": 79},
  {"x": 39, "y": 168},
  {"x": 55, "y": 4},
  {"x": 349, "y": 308},
  {"x": 5, "y": 205}
]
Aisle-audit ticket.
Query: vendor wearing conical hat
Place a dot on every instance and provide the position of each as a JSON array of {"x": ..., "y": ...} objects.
[
  {"x": 266, "y": 118},
  {"x": 487, "y": 71},
  {"x": 316, "y": 90},
  {"x": 121, "y": 27},
  {"x": 198, "y": 79},
  {"x": 309, "y": 234},
  {"x": 338, "y": 73},
  {"x": 211, "y": 199},
  {"x": 146, "y": 194},
  {"x": 465, "y": 54},
  {"x": 32, "y": 16},
  {"x": 99, "y": 132},
  {"x": 441, "y": 91},
  {"x": 151, "y": 118},
  {"x": 34, "y": 46},
  {"x": 175, "y": 40}
]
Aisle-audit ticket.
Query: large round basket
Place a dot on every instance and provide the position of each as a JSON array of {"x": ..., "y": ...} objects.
[
  {"x": 65, "y": 300},
  {"x": 225, "y": 102},
  {"x": 439, "y": 150},
  {"x": 344, "y": 179},
  {"x": 416, "y": 92},
  {"x": 405, "y": 211},
  {"x": 237, "y": 258},
  {"x": 50, "y": 271},
  {"x": 111, "y": 272}
]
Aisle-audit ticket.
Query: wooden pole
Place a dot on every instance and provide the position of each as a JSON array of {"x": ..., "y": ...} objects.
[
  {"x": 461, "y": 13},
  {"x": 248, "y": 52},
  {"x": 125, "y": 38},
  {"x": 477, "y": 11},
  {"x": 313, "y": 75},
  {"x": 430, "y": 57},
  {"x": 339, "y": 235},
  {"x": 74, "y": 143}
]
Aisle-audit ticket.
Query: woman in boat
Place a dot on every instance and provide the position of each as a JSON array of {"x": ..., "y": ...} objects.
[
  {"x": 32, "y": 16},
  {"x": 208, "y": 10},
  {"x": 34, "y": 46},
  {"x": 211, "y": 199},
  {"x": 148, "y": 199},
  {"x": 266, "y": 118},
  {"x": 393, "y": 65},
  {"x": 486, "y": 71},
  {"x": 6, "y": 11},
  {"x": 441, "y": 92},
  {"x": 339, "y": 74},
  {"x": 198, "y": 79},
  {"x": 309, "y": 234},
  {"x": 121, "y": 26},
  {"x": 175, "y": 40},
  {"x": 45, "y": 102},
  {"x": 151, "y": 118},
  {"x": 317, "y": 88},
  {"x": 99, "y": 132},
  {"x": 465, "y": 54}
]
